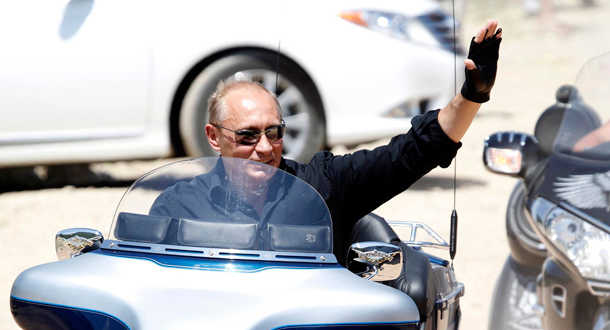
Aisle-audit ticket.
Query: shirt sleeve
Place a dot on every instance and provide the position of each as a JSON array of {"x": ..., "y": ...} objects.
[{"x": 356, "y": 184}]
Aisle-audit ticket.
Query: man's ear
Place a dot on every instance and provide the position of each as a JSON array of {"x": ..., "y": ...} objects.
[{"x": 212, "y": 134}]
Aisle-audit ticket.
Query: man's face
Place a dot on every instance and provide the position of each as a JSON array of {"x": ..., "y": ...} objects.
[{"x": 248, "y": 109}]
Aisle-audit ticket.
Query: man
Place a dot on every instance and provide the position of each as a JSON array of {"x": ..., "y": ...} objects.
[{"x": 245, "y": 122}]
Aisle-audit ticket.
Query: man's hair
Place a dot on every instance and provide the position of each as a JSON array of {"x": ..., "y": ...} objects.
[{"x": 217, "y": 105}]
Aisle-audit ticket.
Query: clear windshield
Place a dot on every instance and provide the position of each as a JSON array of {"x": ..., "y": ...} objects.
[
  {"x": 224, "y": 203},
  {"x": 585, "y": 129}
]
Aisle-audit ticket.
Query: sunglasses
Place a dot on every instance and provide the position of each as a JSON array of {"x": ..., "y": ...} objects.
[{"x": 250, "y": 136}]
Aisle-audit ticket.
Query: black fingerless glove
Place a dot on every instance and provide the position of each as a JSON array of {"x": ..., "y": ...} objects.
[{"x": 480, "y": 80}]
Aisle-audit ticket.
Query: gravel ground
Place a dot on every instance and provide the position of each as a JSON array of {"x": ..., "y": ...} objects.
[{"x": 535, "y": 61}]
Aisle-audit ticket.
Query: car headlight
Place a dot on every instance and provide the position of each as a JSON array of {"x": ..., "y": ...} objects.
[
  {"x": 587, "y": 246},
  {"x": 435, "y": 29}
]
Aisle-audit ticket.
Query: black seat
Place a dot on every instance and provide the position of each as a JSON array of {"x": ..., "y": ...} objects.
[
  {"x": 129, "y": 227},
  {"x": 415, "y": 280}
]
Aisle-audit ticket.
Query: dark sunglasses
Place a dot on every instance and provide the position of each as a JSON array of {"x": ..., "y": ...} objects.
[{"x": 250, "y": 136}]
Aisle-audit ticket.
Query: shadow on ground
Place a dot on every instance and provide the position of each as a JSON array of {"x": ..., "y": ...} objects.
[
  {"x": 114, "y": 175},
  {"x": 445, "y": 183},
  {"x": 57, "y": 176}
]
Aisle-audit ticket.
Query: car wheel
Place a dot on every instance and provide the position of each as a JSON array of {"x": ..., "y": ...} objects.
[{"x": 300, "y": 102}]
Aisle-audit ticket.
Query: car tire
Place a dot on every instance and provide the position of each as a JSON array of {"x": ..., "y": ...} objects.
[
  {"x": 300, "y": 101},
  {"x": 514, "y": 298}
]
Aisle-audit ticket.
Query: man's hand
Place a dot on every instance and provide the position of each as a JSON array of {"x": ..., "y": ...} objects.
[
  {"x": 481, "y": 67},
  {"x": 482, "y": 63}
]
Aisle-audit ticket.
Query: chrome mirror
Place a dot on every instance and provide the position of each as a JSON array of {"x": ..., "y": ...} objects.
[
  {"x": 375, "y": 261},
  {"x": 70, "y": 243}
]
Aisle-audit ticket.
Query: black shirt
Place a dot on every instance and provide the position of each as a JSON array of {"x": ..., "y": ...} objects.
[
  {"x": 351, "y": 185},
  {"x": 213, "y": 211},
  {"x": 354, "y": 185}
]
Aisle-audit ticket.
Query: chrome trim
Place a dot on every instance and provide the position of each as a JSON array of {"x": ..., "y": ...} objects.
[
  {"x": 523, "y": 139},
  {"x": 383, "y": 261},
  {"x": 440, "y": 242},
  {"x": 215, "y": 253},
  {"x": 561, "y": 299},
  {"x": 449, "y": 299},
  {"x": 600, "y": 289},
  {"x": 601, "y": 320},
  {"x": 585, "y": 217},
  {"x": 540, "y": 209},
  {"x": 511, "y": 135},
  {"x": 539, "y": 246},
  {"x": 70, "y": 243},
  {"x": 538, "y": 310}
]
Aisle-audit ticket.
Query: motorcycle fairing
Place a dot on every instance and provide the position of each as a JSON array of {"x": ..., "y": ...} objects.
[
  {"x": 64, "y": 317},
  {"x": 144, "y": 295},
  {"x": 560, "y": 169},
  {"x": 41, "y": 316},
  {"x": 570, "y": 306}
]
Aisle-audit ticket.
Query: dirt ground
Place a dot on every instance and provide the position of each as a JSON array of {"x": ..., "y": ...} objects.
[{"x": 535, "y": 60}]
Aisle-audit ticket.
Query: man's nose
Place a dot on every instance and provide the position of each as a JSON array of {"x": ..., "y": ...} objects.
[{"x": 264, "y": 146}]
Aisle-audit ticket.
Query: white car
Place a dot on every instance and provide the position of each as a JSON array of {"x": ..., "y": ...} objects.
[{"x": 85, "y": 81}]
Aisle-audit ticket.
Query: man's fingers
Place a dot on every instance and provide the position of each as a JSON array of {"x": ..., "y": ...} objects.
[
  {"x": 478, "y": 38},
  {"x": 487, "y": 31},
  {"x": 491, "y": 26},
  {"x": 469, "y": 64}
]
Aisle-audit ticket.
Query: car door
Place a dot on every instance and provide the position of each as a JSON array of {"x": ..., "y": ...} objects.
[{"x": 72, "y": 70}]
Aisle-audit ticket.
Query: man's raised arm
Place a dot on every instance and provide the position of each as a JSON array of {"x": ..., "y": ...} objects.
[{"x": 481, "y": 68}]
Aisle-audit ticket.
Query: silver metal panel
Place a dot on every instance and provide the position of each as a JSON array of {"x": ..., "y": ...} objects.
[
  {"x": 216, "y": 253},
  {"x": 146, "y": 295},
  {"x": 600, "y": 289}
]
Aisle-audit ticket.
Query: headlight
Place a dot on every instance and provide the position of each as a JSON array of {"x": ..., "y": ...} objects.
[
  {"x": 435, "y": 29},
  {"x": 587, "y": 246}
]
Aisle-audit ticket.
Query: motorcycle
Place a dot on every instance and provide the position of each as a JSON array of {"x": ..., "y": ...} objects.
[
  {"x": 228, "y": 243},
  {"x": 557, "y": 275}
]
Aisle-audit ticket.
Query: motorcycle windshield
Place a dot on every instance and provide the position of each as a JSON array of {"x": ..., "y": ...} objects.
[
  {"x": 585, "y": 129},
  {"x": 225, "y": 203}
]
